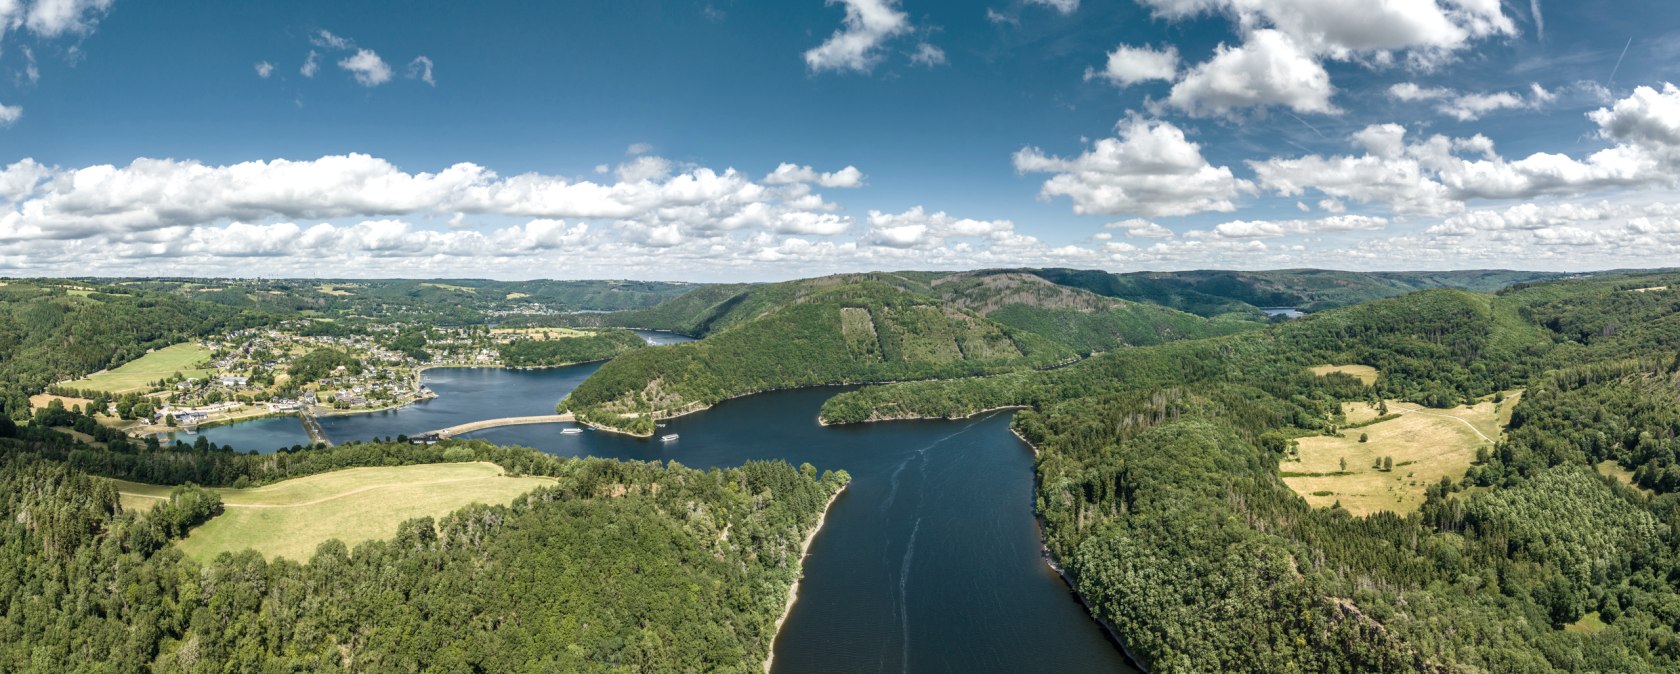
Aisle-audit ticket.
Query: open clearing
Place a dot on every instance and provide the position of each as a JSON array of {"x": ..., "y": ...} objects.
[
  {"x": 540, "y": 333},
  {"x": 41, "y": 400},
  {"x": 159, "y": 364},
  {"x": 1364, "y": 373},
  {"x": 1425, "y": 444},
  {"x": 291, "y": 518}
]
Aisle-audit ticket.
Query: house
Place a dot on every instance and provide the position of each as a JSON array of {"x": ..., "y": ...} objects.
[{"x": 235, "y": 382}]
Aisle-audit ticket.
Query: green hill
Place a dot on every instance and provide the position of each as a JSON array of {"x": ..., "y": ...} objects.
[
  {"x": 862, "y": 328},
  {"x": 825, "y": 331}
]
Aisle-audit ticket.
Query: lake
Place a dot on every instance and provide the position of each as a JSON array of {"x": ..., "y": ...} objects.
[{"x": 930, "y": 562}]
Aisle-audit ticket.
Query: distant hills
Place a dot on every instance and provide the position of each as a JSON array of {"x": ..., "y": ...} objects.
[{"x": 1213, "y": 293}]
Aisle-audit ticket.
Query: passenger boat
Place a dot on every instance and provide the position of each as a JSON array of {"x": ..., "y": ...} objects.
[
  {"x": 571, "y": 431},
  {"x": 668, "y": 438}
]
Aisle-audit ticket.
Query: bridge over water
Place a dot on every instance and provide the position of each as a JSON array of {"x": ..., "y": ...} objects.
[{"x": 452, "y": 431}]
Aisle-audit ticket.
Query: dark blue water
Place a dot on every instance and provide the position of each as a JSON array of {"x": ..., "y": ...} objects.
[
  {"x": 263, "y": 435},
  {"x": 930, "y": 562}
]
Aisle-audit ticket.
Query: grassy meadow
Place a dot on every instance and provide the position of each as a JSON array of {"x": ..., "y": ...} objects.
[
  {"x": 289, "y": 519},
  {"x": 159, "y": 364},
  {"x": 1425, "y": 445},
  {"x": 541, "y": 333},
  {"x": 1364, "y": 373}
]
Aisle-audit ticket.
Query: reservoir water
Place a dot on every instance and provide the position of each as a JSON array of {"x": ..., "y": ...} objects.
[{"x": 930, "y": 562}]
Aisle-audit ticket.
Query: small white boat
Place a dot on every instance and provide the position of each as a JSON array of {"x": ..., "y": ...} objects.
[
  {"x": 571, "y": 431},
  {"x": 668, "y": 438}
]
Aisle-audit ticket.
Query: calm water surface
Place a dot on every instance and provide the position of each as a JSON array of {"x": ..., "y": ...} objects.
[{"x": 930, "y": 562}]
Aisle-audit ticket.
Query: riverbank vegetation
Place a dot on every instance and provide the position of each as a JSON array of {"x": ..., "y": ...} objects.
[
  {"x": 537, "y": 351},
  {"x": 1159, "y": 484},
  {"x": 540, "y": 581}
]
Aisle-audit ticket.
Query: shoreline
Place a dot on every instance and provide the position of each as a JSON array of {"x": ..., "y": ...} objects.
[
  {"x": 1067, "y": 580},
  {"x": 793, "y": 592},
  {"x": 824, "y": 422}
]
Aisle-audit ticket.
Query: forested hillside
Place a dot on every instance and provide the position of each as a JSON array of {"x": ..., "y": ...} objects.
[
  {"x": 617, "y": 567},
  {"x": 53, "y": 330},
  {"x": 1215, "y": 293},
  {"x": 445, "y": 301},
  {"x": 838, "y": 333},
  {"x": 863, "y": 328},
  {"x": 593, "y": 346},
  {"x": 1160, "y": 493}
]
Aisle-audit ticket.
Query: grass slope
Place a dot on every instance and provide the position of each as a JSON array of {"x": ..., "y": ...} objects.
[
  {"x": 185, "y": 358},
  {"x": 1424, "y": 444},
  {"x": 291, "y": 518}
]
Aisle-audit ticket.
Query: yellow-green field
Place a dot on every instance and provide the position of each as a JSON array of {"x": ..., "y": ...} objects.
[
  {"x": 1615, "y": 470},
  {"x": 1425, "y": 444},
  {"x": 1364, "y": 373},
  {"x": 159, "y": 364},
  {"x": 540, "y": 333},
  {"x": 41, "y": 400},
  {"x": 291, "y": 518}
]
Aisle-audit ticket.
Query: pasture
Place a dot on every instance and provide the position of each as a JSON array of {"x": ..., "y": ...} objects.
[
  {"x": 538, "y": 333},
  {"x": 185, "y": 358},
  {"x": 291, "y": 518},
  {"x": 1424, "y": 445}
]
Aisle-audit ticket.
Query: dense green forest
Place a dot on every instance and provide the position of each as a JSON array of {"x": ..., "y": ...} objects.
[
  {"x": 1159, "y": 487},
  {"x": 598, "y": 345},
  {"x": 617, "y": 567}
]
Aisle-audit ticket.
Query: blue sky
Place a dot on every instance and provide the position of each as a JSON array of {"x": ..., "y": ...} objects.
[{"x": 643, "y": 138}]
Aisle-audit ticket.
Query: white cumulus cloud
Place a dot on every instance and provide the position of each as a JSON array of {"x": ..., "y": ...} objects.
[
  {"x": 1127, "y": 65},
  {"x": 1268, "y": 69},
  {"x": 366, "y": 66},
  {"x": 856, "y": 46},
  {"x": 1149, "y": 169}
]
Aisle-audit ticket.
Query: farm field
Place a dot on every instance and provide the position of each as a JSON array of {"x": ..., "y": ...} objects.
[
  {"x": 291, "y": 518},
  {"x": 1425, "y": 445},
  {"x": 41, "y": 400},
  {"x": 135, "y": 374},
  {"x": 540, "y": 333}
]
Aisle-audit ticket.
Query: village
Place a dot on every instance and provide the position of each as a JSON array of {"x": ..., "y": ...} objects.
[{"x": 305, "y": 367}]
